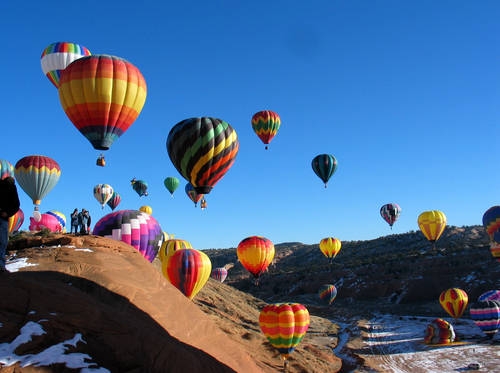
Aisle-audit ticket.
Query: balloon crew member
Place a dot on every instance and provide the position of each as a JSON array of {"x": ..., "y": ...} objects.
[
  {"x": 89, "y": 220},
  {"x": 83, "y": 221},
  {"x": 74, "y": 221},
  {"x": 9, "y": 205}
]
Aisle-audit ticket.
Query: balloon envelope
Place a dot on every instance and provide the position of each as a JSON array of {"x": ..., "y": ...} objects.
[
  {"x": 103, "y": 193},
  {"x": 255, "y": 254},
  {"x": 491, "y": 222},
  {"x": 390, "y": 213},
  {"x": 266, "y": 124},
  {"x": 146, "y": 209},
  {"x": 171, "y": 183},
  {"x": 114, "y": 201},
  {"x": 15, "y": 221},
  {"x": 37, "y": 175},
  {"x": 486, "y": 315},
  {"x": 330, "y": 247},
  {"x": 327, "y": 293},
  {"x": 454, "y": 301},
  {"x": 140, "y": 187},
  {"x": 219, "y": 274},
  {"x": 192, "y": 194},
  {"x": 133, "y": 227},
  {"x": 432, "y": 224},
  {"x": 170, "y": 246},
  {"x": 490, "y": 295},
  {"x": 48, "y": 220},
  {"x": 324, "y": 166},
  {"x": 6, "y": 169},
  {"x": 202, "y": 150},
  {"x": 439, "y": 331}
]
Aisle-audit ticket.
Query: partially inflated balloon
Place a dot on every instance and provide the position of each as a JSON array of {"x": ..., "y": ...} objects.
[
  {"x": 170, "y": 246},
  {"x": 432, "y": 224},
  {"x": 327, "y": 293},
  {"x": 146, "y": 209},
  {"x": 102, "y": 96},
  {"x": 219, "y": 274},
  {"x": 454, "y": 301},
  {"x": 330, "y": 247},
  {"x": 103, "y": 193},
  {"x": 61, "y": 218},
  {"x": 114, "y": 201},
  {"x": 439, "y": 331},
  {"x": 486, "y": 315},
  {"x": 133, "y": 227},
  {"x": 37, "y": 175},
  {"x": 255, "y": 254},
  {"x": 57, "y": 56},
  {"x": 15, "y": 221},
  {"x": 47, "y": 221},
  {"x": 284, "y": 325},
  {"x": 324, "y": 166},
  {"x": 6, "y": 169},
  {"x": 390, "y": 213},
  {"x": 202, "y": 150},
  {"x": 266, "y": 124},
  {"x": 188, "y": 270},
  {"x": 171, "y": 183}
]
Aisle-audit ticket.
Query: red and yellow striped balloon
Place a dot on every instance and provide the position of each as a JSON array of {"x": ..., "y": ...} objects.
[
  {"x": 102, "y": 96},
  {"x": 284, "y": 325},
  {"x": 330, "y": 247},
  {"x": 266, "y": 124},
  {"x": 454, "y": 301},
  {"x": 255, "y": 254}
]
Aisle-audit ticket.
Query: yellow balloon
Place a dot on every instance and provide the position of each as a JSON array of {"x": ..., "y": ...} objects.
[
  {"x": 454, "y": 301},
  {"x": 330, "y": 247},
  {"x": 147, "y": 209},
  {"x": 432, "y": 224}
]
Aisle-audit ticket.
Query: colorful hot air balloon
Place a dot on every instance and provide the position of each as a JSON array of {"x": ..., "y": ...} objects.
[
  {"x": 330, "y": 247},
  {"x": 324, "y": 165},
  {"x": 170, "y": 246},
  {"x": 114, "y": 201},
  {"x": 15, "y": 221},
  {"x": 486, "y": 315},
  {"x": 103, "y": 193},
  {"x": 49, "y": 220},
  {"x": 192, "y": 195},
  {"x": 102, "y": 96},
  {"x": 284, "y": 325},
  {"x": 439, "y": 331},
  {"x": 219, "y": 274},
  {"x": 37, "y": 175},
  {"x": 61, "y": 218},
  {"x": 6, "y": 169},
  {"x": 188, "y": 270},
  {"x": 146, "y": 209},
  {"x": 327, "y": 293},
  {"x": 390, "y": 213},
  {"x": 171, "y": 183},
  {"x": 255, "y": 254},
  {"x": 57, "y": 56},
  {"x": 490, "y": 295},
  {"x": 202, "y": 150},
  {"x": 491, "y": 222},
  {"x": 133, "y": 227},
  {"x": 140, "y": 187},
  {"x": 266, "y": 124},
  {"x": 454, "y": 301},
  {"x": 495, "y": 250},
  {"x": 432, "y": 224}
]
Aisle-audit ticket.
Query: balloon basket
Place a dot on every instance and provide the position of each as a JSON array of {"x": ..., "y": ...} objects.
[{"x": 100, "y": 161}]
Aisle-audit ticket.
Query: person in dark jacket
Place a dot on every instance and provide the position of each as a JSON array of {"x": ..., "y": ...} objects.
[
  {"x": 9, "y": 205},
  {"x": 74, "y": 221}
]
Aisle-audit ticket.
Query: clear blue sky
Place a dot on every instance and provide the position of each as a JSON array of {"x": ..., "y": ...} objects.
[{"x": 406, "y": 96}]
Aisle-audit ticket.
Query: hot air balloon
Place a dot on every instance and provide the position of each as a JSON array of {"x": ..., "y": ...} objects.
[
  {"x": 15, "y": 221},
  {"x": 133, "y": 227},
  {"x": 324, "y": 165},
  {"x": 61, "y": 218},
  {"x": 454, "y": 301},
  {"x": 390, "y": 213},
  {"x": 266, "y": 124},
  {"x": 327, "y": 293},
  {"x": 202, "y": 150},
  {"x": 114, "y": 201},
  {"x": 330, "y": 247},
  {"x": 171, "y": 183},
  {"x": 255, "y": 254},
  {"x": 219, "y": 274},
  {"x": 284, "y": 325},
  {"x": 102, "y": 96},
  {"x": 140, "y": 187},
  {"x": 491, "y": 222},
  {"x": 6, "y": 169},
  {"x": 37, "y": 175},
  {"x": 439, "y": 331},
  {"x": 146, "y": 209},
  {"x": 486, "y": 315},
  {"x": 188, "y": 270},
  {"x": 57, "y": 56},
  {"x": 192, "y": 194},
  {"x": 170, "y": 246},
  {"x": 489, "y": 295},
  {"x": 50, "y": 221},
  {"x": 103, "y": 193},
  {"x": 432, "y": 224}
]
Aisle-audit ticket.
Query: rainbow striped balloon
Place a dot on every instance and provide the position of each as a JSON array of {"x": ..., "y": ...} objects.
[
  {"x": 454, "y": 301},
  {"x": 284, "y": 325},
  {"x": 15, "y": 221},
  {"x": 266, "y": 124},
  {"x": 6, "y": 169},
  {"x": 327, "y": 293},
  {"x": 57, "y": 56}
]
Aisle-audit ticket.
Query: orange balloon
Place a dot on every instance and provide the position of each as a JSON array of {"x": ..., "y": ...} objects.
[{"x": 255, "y": 254}]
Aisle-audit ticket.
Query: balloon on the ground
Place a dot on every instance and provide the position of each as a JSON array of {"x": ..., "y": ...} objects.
[
  {"x": 202, "y": 150},
  {"x": 57, "y": 56},
  {"x": 255, "y": 253},
  {"x": 219, "y": 274},
  {"x": 16, "y": 221},
  {"x": 439, "y": 331},
  {"x": 266, "y": 124},
  {"x": 330, "y": 247},
  {"x": 170, "y": 246},
  {"x": 61, "y": 218},
  {"x": 48, "y": 220},
  {"x": 133, "y": 227},
  {"x": 327, "y": 293},
  {"x": 6, "y": 169},
  {"x": 454, "y": 301},
  {"x": 324, "y": 166},
  {"x": 390, "y": 213},
  {"x": 188, "y": 270},
  {"x": 103, "y": 193},
  {"x": 284, "y": 325},
  {"x": 102, "y": 96},
  {"x": 432, "y": 224},
  {"x": 114, "y": 201},
  {"x": 37, "y": 175},
  {"x": 490, "y": 295},
  {"x": 171, "y": 183},
  {"x": 147, "y": 209},
  {"x": 486, "y": 315},
  {"x": 140, "y": 187}
]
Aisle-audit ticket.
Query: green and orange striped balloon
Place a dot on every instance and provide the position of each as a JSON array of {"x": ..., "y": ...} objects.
[
  {"x": 102, "y": 96},
  {"x": 284, "y": 325}
]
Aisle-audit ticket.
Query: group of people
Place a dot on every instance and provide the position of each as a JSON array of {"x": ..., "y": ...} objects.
[{"x": 80, "y": 222}]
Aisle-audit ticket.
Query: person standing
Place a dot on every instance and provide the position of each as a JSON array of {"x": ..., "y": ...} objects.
[
  {"x": 89, "y": 220},
  {"x": 83, "y": 221},
  {"x": 9, "y": 205},
  {"x": 74, "y": 221}
]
